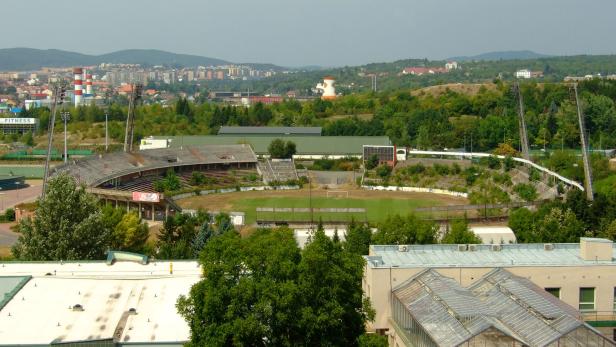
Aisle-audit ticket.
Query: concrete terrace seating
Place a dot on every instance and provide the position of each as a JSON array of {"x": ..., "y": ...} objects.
[{"x": 100, "y": 169}]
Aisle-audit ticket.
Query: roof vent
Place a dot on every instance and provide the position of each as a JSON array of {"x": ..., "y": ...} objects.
[
  {"x": 403, "y": 248},
  {"x": 496, "y": 248},
  {"x": 548, "y": 247},
  {"x": 132, "y": 310},
  {"x": 472, "y": 248},
  {"x": 462, "y": 248},
  {"x": 77, "y": 307}
]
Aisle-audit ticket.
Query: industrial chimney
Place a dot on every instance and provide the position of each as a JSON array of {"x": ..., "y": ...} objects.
[
  {"x": 78, "y": 85},
  {"x": 88, "y": 84}
]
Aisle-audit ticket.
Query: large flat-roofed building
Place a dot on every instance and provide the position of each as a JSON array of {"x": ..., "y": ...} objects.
[
  {"x": 269, "y": 131},
  {"x": 18, "y": 125},
  {"x": 581, "y": 275},
  {"x": 94, "y": 304},
  {"x": 308, "y": 147}
]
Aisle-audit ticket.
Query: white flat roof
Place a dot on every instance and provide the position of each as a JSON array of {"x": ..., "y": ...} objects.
[{"x": 106, "y": 293}]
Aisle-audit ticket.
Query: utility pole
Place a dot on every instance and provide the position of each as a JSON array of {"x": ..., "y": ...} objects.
[
  {"x": 585, "y": 158},
  {"x": 66, "y": 116},
  {"x": 135, "y": 95},
  {"x": 59, "y": 91},
  {"x": 522, "y": 123},
  {"x": 106, "y": 131}
]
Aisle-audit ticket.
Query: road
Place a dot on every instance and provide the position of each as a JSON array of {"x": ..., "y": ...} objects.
[{"x": 10, "y": 198}]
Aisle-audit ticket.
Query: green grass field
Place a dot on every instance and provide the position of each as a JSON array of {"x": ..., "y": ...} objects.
[{"x": 377, "y": 209}]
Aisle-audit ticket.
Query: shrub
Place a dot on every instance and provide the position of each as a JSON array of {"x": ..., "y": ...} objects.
[
  {"x": 526, "y": 191},
  {"x": 383, "y": 171}
]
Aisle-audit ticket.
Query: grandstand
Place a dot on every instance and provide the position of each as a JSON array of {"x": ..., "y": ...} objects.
[
  {"x": 127, "y": 178},
  {"x": 277, "y": 170}
]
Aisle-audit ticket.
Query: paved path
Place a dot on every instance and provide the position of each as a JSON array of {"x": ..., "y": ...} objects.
[
  {"x": 10, "y": 198},
  {"x": 7, "y": 237}
]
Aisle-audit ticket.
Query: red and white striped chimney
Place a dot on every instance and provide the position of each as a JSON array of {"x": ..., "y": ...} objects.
[
  {"x": 78, "y": 72},
  {"x": 88, "y": 84}
]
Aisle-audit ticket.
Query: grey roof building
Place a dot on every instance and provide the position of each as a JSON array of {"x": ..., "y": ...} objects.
[
  {"x": 500, "y": 309},
  {"x": 279, "y": 131}
]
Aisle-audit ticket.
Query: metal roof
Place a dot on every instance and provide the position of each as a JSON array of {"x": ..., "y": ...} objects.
[
  {"x": 533, "y": 254},
  {"x": 96, "y": 170},
  {"x": 237, "y": 130},
  {"x": 501, "y": 302},
  {"x": 306, "y": 145}
]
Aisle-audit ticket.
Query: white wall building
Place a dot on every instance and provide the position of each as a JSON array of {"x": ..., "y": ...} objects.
[{"x": 524, "y": 73}]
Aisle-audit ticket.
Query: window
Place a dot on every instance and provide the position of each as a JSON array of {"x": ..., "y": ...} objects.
[
  {"x": 553, "y": 291},
  {"x": 587, "y": 299}
]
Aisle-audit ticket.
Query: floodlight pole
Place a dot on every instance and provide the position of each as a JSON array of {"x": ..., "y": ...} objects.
[
  {"x": 54, "y": 107},
  {"x": 106, "y": 131}
]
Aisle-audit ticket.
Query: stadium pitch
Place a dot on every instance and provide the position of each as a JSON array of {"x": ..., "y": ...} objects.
[{"x": 378, "y": 205}]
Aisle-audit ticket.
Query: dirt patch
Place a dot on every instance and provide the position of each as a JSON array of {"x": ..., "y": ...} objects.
[{"x": 467, "y": 89}]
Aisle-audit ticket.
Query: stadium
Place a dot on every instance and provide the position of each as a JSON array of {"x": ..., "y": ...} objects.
[
  {"x": 235, "y": 160},
  {"x": 127, "y": 179}
]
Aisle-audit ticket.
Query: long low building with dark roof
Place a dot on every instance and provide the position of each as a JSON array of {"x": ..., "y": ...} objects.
[{"x": 308, "y": 147}]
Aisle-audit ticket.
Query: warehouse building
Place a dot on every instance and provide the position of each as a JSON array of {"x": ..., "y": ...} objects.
[
  {"x": 116, "y": 303},
  {"x": 582, "y": 276},
  {"x": 308, "y": 147},
  {"x": 269, "y": 131}
]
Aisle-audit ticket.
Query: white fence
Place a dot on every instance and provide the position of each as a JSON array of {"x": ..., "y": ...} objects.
[{"x": 416, "y": 190}]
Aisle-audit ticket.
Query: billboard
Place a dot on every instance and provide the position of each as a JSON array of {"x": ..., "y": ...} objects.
[
  {"x": 7, "y": 121},
  {"x": 146, "y": 197}
]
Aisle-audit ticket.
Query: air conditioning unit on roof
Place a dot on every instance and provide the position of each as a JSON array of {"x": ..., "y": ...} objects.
[
  {"x": 403, "y": 248},
  {"x": 548, "y": 246},
  {"x": 472, "y": 248},
  {"x": 461, "y": 248}
]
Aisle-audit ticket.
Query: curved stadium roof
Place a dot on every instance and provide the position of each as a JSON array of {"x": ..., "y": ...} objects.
[{"x": 96, "y": 170}]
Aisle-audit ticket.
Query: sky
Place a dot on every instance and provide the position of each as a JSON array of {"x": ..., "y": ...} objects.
[{"x": 314, "y": 32}]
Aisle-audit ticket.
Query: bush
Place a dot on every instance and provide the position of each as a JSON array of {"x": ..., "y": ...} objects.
[
  {"x": 526, "y": 191},
  {"x": 494, "y": 163},
  {"x": 372, "y": 162},
  {"x": 10, "y": 214},
  {"x": 383, "y": 171},
  {"x": 442, "y": 170}
]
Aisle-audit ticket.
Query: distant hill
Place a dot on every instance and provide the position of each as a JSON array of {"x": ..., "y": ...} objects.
[
  {"x": 23, "y": 59},
  {"x": 503, "y": 55}
]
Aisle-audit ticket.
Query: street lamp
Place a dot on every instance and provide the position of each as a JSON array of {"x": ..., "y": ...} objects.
[{"x": 66, "y": 116}]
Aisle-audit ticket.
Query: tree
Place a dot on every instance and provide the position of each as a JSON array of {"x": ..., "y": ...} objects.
[
  {"x": 460, "y": 233},
  {"x": 253, "y": 293},
  {"x": 130, "y": 234},
  {"x": 67, "y": 225},
  {"x": 405, "y": 230},
  {"x": 290, "y": 149},
  {"x": 249, "y": 294},
  {"x": 372, "y": 162},
  {"x": 357, "y": 238},
  {"x": 277, "y": 148},
  {"x": 334, "y": 313}
]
